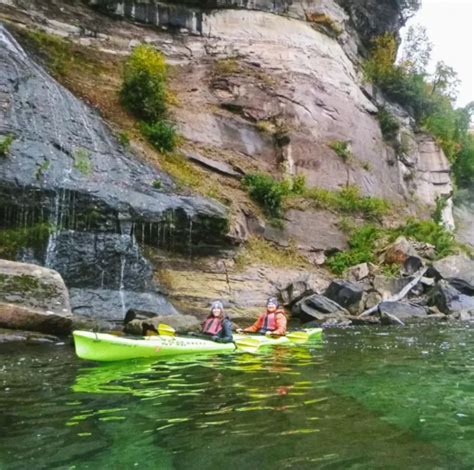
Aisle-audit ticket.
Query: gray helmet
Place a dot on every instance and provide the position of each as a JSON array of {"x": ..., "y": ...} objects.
[
  {"x": 217, "y": 304},
  {"x": 272, "y": 301}
]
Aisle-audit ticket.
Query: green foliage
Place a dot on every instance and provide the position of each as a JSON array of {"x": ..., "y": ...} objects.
[
  {"x": 361, "y": 249},
  {"x": 12, "y": 239},
  {"x": 437, "y": 215},
  {"x": 298, "y": 185},
  {"x": 349, "y": 201},
  {"x": 161, "y": 134},
  {"x": 267, "y": 192},
  {"x": 417, "y": 49},
  {"x": 157, "y": 184},
  {"x": 391, "y": 270},
  {"x": 144, "y": 84},
  {"x": 82, "y": 161},
  {"x": 363, "y": 242},
  {"x": 342, "y": 149},
  {"x": 41, "y": 170},
  {"x": 389, "y": 125},
  {"x": 124, "y": 139},
  {"x": 427, "y": 231},
  {"x": 429, "y": 100},
  {"x": 5, "y": 144},
  {"x": 464, "y": 164},
  {"x": 55, "y": 50}
]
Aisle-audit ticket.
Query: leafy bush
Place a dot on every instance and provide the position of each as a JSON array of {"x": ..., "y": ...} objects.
[
  {"x": 161, "y": 134},
  {"x": 464, "y": 164},
  {"x": 427, "y": 231},
  {"x": 430, "y": 100},
  {"x": 361, "y": 249},
  {"x": 363, "y": 242},
  {"x": 267, "y": 192},
  {"x": 389, "y": 125},
  {"x": 348, "y": 200},
  {"x": 144, "y": 84},
  {"x": 5, "y": 144},
  {"x": 342, "y": 149}
]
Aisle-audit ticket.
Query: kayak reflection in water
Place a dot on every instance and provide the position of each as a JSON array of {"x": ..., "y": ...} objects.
[
  {"x": 217, "y": 324},
  {"x": 271, "y": 322}
]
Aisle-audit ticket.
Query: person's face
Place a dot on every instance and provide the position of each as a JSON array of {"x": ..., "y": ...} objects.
[
  {"x": 271, "y": 307},
  {"x": 217, "y": 312}
]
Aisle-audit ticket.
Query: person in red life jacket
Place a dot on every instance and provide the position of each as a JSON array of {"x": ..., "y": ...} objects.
[
  {"x": 272, "y": 322},
  {"x": 217, "y": 324}
]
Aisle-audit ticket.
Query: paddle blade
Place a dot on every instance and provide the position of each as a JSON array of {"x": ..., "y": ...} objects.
[
  {"x": 166, "y": 330},
  {"x": 298, "y": 336},
  {"x": 247, "y": 344}
]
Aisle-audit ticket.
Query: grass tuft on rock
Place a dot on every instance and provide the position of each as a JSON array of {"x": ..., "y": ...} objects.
[
  {"x": 259, "y": 251},
  {"x": 6, "y": 142}
]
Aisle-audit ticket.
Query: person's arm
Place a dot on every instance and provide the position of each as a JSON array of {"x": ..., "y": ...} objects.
[
  {"x": 280, "y": 321},
  {"x": 256, "y": 326}
]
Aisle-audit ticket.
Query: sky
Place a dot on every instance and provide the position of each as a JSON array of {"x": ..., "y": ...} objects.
[{"x": 450, "y": 27}]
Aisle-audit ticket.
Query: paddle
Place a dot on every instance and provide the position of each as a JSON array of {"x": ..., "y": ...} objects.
[{"x": 166, "y": 330}]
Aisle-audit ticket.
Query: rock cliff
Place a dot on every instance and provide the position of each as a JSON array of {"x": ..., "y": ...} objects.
[{"x": 259, "y": 85}]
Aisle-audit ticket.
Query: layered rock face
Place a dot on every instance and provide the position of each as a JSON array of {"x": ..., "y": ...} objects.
[
  {"x": 65, "y": 169},
  {"x": 295, "y": 68}
]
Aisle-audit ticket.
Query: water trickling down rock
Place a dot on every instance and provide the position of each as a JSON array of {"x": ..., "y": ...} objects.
[{"x": 66, "y": 169}]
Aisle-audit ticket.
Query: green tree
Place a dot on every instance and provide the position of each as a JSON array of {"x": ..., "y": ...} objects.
[
  {"x": 417, "y": 48},
  {"x": 445, "y": 81},
  {"x": 144, "y": 83}
]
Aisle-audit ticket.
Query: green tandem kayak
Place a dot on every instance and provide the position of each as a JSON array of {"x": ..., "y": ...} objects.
[{"x": 105, "y": 347}]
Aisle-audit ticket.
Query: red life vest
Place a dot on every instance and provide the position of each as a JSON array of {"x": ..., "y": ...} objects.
[
  {"x": 212, "y": 326},
  {"x": 269, "y": 322}
]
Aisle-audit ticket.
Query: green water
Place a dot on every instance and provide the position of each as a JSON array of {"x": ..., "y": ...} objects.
[{"x": 359, "y": 399}]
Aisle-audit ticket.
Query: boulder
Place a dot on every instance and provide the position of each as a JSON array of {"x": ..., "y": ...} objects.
[
  {"x": 18, "y": 336},
  {"x": 456, "y": 267},
  {"x": 181, "y": 323},
  {"x": 389, "y": 286},
  {"x": 404, "y": 311},
  {"x": 346, "y": 294},
  {"x": 449, "y": 300},
  {"x": 412, "y": 265},
  {"x": 399, "y": 252},
  {"x": 319, "y": 307},
  {"x": 371, "y": 299},
  {"x": 17, "y": 317},
  {"x": 358, "y": 272},
  {"x": 302, "y": 286},
  {"x": 33, "y": 287}
]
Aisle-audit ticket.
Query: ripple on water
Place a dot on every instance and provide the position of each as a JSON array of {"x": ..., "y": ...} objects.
[{"x": 365, "y": 399}]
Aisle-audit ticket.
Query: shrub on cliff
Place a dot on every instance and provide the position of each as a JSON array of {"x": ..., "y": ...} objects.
[
  {"x": 267, "y": 192},
  {"x": 6, "y": 142},
  {"x": 430, "y": 99},
  {"x": 144, "y": 84},
  {"x": 145, "y": 94},
  {"x": 161, "y": 135}
]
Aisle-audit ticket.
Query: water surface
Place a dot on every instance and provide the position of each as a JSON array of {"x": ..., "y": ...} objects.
[{"x": 358, "y": 399}]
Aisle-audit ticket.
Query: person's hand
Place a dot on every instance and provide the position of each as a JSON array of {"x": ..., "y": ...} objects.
[{"x": 239, "y": 330}]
